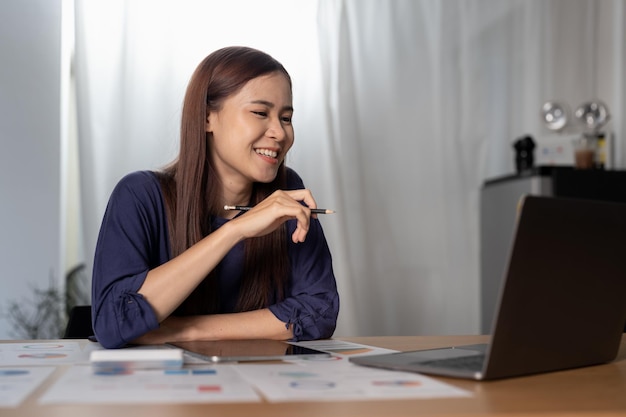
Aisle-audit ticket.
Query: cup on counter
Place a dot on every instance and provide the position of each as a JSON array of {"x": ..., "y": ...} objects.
[{"x": 584, "y": 152}]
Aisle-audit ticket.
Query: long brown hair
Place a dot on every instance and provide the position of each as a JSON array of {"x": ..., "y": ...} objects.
[{"x": 192, "y": 189}]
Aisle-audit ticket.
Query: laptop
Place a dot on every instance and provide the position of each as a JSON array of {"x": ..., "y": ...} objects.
[{"x": 562, "y": 304}]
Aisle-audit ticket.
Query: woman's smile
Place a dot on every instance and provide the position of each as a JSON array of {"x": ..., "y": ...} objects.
[{"x": 267, "y": 155}]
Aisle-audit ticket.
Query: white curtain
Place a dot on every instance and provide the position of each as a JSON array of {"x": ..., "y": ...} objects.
[{"x": 403, "y": 109}]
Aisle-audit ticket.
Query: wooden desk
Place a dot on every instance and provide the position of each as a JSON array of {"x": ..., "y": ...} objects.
[{"x": 591, "y": 391}]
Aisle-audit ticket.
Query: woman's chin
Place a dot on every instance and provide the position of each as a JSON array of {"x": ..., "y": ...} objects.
[{"x": 266, "y": 177}]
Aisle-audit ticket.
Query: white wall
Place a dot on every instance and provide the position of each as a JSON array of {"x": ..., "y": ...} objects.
[{"x": 30, "y": 152}]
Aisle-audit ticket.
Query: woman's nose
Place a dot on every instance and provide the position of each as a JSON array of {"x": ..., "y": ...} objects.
[{"x": 276, "y": 130}]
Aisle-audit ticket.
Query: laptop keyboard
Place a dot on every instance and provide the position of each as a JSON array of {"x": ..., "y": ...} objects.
[{"x": 469, "y": 363}]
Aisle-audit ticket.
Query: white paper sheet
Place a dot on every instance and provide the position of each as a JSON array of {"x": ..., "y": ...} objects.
[
  {"x": 43, "y": 353},
  {"x": 336, "y": 379},
  {"x": 187, "y": 385},
  {"x": 341, "y": 381},
  {"x": 17, "y": 383}
]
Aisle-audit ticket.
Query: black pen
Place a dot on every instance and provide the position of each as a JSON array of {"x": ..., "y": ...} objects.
[{"x": 246, "y": 208}]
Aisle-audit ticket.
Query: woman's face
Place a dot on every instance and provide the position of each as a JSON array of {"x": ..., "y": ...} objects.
[{"x": 252, "y": 132}]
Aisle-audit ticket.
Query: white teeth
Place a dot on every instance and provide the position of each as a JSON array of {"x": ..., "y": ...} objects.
[{"x": 267, "y": 152}]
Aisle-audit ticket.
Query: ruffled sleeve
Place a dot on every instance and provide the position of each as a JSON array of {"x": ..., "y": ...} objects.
[
  {"x": 133, "y": 239},
  {"x": 311, "y": 304}
]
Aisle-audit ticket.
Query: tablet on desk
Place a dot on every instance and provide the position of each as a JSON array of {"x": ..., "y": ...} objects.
[{"x": 246, "y": 350}]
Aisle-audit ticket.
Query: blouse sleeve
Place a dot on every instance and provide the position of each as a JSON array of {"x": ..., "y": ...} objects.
[
  {"x": 133, "y": 239},
  {"x": 311, "y": 304},
  {"x": 312, "y": 301}
]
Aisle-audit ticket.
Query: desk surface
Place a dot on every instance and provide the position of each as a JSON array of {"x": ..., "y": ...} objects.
[{"x": 591, "y": 391}]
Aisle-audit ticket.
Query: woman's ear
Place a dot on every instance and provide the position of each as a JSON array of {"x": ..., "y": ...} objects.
[{"x": 208, "y": 123}]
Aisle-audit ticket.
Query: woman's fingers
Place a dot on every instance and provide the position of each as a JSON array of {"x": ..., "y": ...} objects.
[
  {"x": 302, "y": 195},
  {"x": 302, "y": 213},
  {"x": 279, "y": 207}
]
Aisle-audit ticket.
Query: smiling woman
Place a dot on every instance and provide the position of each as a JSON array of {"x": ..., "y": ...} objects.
[
  {"x": 172, "y": 264},
  {"x": 132, "y": 64}
]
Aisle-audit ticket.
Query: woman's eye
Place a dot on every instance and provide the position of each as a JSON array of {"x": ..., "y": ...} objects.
[
  {"x": 260, "y": 113},
  {"x": 286, "y": 119}
]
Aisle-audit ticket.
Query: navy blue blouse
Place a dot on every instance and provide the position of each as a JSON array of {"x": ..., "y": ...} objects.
[{"x": 134, "y": 239}]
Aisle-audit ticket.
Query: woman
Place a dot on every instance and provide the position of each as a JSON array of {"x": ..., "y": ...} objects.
[{"x": 172, "y": 264}]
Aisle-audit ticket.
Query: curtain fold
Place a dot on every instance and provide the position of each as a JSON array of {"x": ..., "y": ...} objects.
[{"x": 403, "y": 177}]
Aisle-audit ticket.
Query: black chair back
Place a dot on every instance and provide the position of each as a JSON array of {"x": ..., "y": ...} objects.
[{"x": 79, "y": 323}]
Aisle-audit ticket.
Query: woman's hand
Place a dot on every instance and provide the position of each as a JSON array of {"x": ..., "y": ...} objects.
[{"x": 276, "y": 209}]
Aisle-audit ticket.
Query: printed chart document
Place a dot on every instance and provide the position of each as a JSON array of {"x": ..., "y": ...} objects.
[
  {"x": 213, "y": 384},
  {"x": 336, "y": 379},
  {"x": 25, "y": 365},
  {"x": 43, "y": 353},
  {"x": 341, "y": 381},
  {"x": 17, "y": 383}
]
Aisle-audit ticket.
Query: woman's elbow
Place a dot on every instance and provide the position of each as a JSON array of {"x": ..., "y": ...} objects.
[
  {"x": 107, "y": 335},
  {"x": 117, "y": 324}
]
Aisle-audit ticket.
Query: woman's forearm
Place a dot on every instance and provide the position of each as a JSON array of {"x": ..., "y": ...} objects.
[
  {"x": 168, "y": 285},
  {"x": 257, "y": 324}
]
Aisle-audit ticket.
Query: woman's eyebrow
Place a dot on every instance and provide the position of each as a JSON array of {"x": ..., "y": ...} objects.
[{"x": 271, "y": 105}]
